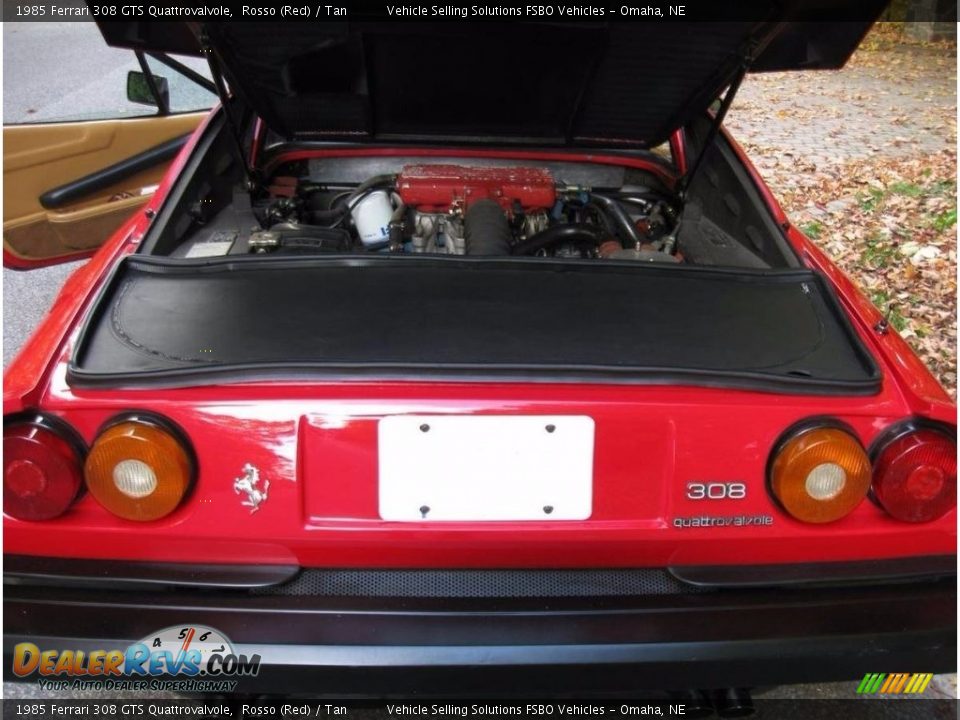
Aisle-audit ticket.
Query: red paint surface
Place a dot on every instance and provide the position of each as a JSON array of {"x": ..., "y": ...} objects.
[
  {"x": 316, "y": 443},
  {"x": 649, "y": 163},
  {"x": 439, "y": 187}
]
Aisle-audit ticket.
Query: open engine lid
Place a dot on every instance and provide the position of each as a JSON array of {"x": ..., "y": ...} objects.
[{"x": 563, "y": 83}]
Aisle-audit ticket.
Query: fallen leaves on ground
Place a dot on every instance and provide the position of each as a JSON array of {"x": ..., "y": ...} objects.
[
  {"x": 890, "y": 224},
  {"x": 864, "y": 161}
]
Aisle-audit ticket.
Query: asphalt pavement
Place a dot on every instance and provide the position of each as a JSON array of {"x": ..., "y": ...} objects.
[
  {"x": 62, "y": 70},
  {"x": 27, "y": 296}
]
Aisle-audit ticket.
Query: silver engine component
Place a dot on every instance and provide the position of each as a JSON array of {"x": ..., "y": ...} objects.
[
  {"x": 534, "y": 223},
  {"x": 438, "y": 233},
  {"x": 444, "y": 232}
]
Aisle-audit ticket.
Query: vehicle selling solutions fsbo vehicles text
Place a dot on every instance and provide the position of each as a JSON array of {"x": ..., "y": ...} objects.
[
  {"x": 533, "y": 11},
  {"x": 531, "y": 709}
]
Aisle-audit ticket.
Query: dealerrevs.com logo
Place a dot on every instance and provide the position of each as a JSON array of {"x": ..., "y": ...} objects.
[{"x": 185, "y": 658}]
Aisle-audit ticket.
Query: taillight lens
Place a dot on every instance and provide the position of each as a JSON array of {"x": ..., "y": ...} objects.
[
  {"x": 915, "y": 475},
  {"x": 820, "y": 474},
  {"x": 139, "y": 468},
  {"x": 42, "y": 468}
]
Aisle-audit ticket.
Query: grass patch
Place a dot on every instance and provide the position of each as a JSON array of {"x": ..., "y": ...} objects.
[
  {"x": 873, "y": 198},
  {"x": 945, "y": 220},
  {"x": 906, "y": 188},
  {"x": 943, "y": 187},
  {"x": 870, "y": 200},
  {"x": 881, "y": 299},
  {"x": 812, "y": 229},
  {"x": 877, "y": 254}
]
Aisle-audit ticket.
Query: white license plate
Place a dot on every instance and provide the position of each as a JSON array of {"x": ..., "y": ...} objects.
[{"x": 486, "y": 467}]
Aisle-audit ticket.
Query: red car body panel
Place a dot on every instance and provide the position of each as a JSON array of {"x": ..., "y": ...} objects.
[{"x": 316, "y": 441}]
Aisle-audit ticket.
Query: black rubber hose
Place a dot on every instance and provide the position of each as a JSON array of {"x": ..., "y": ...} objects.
[
  {"x": 376, "y": 181},
  {"x": 486, "y": 230},
  {"x": 396, "y": 226},
  {"x": 570, "y": 232},
  {"x": 317, "y": 216},
  {"x": 343, "y": 203},
  {"x": 626, "y": 230}
]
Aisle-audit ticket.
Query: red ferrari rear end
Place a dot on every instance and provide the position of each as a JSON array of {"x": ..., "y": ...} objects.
[{"x": 651, "y": 475}]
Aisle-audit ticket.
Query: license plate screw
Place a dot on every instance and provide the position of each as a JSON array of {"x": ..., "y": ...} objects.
[
  {"x": 424, "y": 428},
  {"x": 551, "y": 428},
  {"x": 424, "y": 509},
  {"x": 548, "y": 509}
]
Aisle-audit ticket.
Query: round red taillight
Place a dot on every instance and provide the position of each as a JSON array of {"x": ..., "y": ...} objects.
[
  {"x": 915, "y": 475},
  {"x": 42, "y": 468}
]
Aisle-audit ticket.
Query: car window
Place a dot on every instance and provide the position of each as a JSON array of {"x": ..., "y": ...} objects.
[
  {"x": 185, "y": 94},
  {"x": 76, "y": 76}
]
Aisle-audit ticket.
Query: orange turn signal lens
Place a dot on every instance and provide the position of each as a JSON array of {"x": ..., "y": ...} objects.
[
  {"x": 138, "y": 470},
  {"x": 820, "y": 474}
]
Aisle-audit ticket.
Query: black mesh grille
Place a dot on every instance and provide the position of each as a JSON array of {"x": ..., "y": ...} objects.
[{"x": 482, "y": 583}]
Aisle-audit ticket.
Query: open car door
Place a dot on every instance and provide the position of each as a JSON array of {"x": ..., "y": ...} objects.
[{"x": 68, "y": 186}]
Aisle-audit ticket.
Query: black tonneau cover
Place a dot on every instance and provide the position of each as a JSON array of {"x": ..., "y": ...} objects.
[{"x": 188, "y": 322}]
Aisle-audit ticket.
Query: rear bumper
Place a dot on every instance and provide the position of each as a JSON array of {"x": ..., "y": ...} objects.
[{"x": 348, "y": 646}]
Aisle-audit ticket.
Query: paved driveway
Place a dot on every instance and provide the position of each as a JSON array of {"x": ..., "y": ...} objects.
[{"x": 895, "y": 102}]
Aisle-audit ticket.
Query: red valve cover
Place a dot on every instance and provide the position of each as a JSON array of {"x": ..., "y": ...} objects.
[{"x": 434, "y": 188}]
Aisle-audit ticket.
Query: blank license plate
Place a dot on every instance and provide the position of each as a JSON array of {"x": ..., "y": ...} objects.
[{"x": 490, "y": 467}]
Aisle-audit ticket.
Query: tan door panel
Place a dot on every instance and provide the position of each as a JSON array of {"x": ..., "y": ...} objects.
[{"x": 39, "y": 158}]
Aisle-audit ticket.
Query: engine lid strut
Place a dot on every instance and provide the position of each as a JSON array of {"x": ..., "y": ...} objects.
[
  {"x": 687, "y": 180},
  {"x": 222, "y": 93}
]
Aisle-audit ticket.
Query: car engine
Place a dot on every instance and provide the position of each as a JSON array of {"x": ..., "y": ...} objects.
[{"x": 463, "y": 210}]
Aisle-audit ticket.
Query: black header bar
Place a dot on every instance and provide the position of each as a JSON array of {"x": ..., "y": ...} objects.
[
  {"x": 140, "y": 706},
  {"x": 380, "y": 10}
]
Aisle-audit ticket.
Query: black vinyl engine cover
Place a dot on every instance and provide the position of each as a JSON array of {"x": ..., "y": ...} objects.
[
  {"x": 563, "y": 83},
  {"x": 472, "y": 319}
]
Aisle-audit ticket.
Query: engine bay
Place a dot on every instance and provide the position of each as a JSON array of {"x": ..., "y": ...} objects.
[
  {"x": 537, "y": 204},
  {"x": 299, "y": 260},
  {"x": 457, "y": 209}
]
